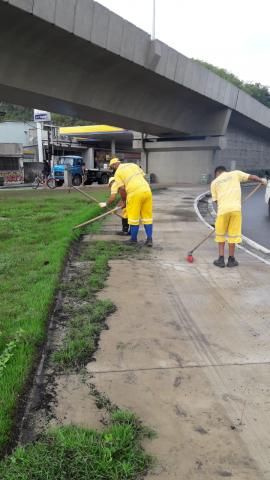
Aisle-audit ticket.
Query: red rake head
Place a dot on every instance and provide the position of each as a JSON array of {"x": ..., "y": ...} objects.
[{"x": 190, "y": 258}]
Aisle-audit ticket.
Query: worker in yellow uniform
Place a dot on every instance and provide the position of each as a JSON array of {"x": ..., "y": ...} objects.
[
  {"x": 139, "y": 198},
  {"x": 114, "y": 191},
  {"x": 226, "y": 191}
]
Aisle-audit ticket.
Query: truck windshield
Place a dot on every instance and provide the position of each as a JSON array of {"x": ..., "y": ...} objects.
[{"x": 65, "y": 161}]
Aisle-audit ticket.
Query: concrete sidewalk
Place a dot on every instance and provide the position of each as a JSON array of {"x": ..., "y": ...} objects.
[{"x": 188, "y": 350}]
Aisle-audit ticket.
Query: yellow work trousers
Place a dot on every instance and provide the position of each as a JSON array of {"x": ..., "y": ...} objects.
[
  {"x": 229, "y": 227},
  {"x": 139, "y": 207}
]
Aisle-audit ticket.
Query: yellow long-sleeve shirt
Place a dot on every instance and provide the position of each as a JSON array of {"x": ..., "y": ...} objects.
[{"x": 131, "y": 176}]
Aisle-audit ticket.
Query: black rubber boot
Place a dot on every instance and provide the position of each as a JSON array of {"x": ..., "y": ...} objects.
[
  {"x": 125, "y": 225},
  {"x": 232, "y": 262},
  {"x": 125, "y": 228},
  {"x": 219, "y": 262}
]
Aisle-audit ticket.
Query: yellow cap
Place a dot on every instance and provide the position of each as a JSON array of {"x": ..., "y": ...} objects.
[
  {"x": 114, "y": 160},
  {"x": 111, "y": 179}
]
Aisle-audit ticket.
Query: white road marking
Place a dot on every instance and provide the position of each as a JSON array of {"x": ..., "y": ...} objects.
[{"x": 250, "y": 242}]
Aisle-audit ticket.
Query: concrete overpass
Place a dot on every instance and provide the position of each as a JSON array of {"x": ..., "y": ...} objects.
[{"x": 78, "y": 58}]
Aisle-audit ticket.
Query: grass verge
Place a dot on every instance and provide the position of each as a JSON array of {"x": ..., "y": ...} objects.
[
  {"x": 100, "y": 253},
  {"x": 83, "y": 333},
  {"x": 81, "y": 454},
  {"x": 35, "y": 235},
  {"x": 87, "y": 314}
]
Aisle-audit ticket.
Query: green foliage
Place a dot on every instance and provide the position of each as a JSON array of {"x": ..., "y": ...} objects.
[
  {"x": 110, "y": 250},
  {"x": 81, "y": 454},
  {"x": 32, "y": 255},
  {"x": 8, "y": 352},
  {"x": 67, "y": 121},
  {"x": 24, "y": 114},
  {"x": 100, "y": 253},
  {"x": 81, "y": 340},
  {"x": 125, "y": 417},
  {"x": 15, "y": 112},
  {"x": 256, "y": 90}
]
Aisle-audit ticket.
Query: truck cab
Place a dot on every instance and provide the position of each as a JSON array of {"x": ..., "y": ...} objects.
[{"x": 75, "y": 165}]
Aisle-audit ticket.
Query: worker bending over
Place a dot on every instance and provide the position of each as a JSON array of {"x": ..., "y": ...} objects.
[
  {"x": 139, "y": 198},
  {"x": 114, "y": 191},
  {"x": 226, "y": 191}
]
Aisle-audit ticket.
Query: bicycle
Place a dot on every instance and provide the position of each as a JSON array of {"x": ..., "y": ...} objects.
[{"x": 40, "y": 180}]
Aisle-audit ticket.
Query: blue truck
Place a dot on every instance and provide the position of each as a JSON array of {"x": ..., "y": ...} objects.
[{"x": 75, "y": 165}]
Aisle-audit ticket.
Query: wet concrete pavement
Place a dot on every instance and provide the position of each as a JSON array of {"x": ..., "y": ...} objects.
[
  {"x": 256, "y": 221},
  {"x": 188, "y": 350}
]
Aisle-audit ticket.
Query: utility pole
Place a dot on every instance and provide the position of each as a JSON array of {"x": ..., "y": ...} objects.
[
  {"x": 49, "y": 144},
  {"x": 52, "y": 149},
  {"x": 153, "y": 36},
  {"x": 41, "y": 116},
  {"x": 39, "y": 141}
]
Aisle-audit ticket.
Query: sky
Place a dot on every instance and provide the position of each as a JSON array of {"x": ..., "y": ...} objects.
[{"x": 232, "y": 34}]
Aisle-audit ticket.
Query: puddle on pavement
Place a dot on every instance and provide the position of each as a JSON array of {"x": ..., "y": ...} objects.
[{"x": 181, "y": 214}]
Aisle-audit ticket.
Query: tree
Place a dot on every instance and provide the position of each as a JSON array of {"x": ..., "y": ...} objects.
[
  {"x": 24, "y": 114},
  {"x": 256, "y": 90}
]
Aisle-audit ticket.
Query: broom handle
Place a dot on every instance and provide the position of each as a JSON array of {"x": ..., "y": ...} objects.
[
  {"x": 92, "y": 198},
  {"x": 86, "y": 194},
  {"x": 202, "y": 241},
  {"x": 97, "y": 218},
  {"x": 212, "y": 231},
  {"x": 252, "y": 192}
]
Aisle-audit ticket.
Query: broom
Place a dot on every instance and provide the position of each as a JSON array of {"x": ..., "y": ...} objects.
[
  {"x": 97, "y": 218},
  {"x": 93, "y": 199},
  {"x": 189, "y": 257}
]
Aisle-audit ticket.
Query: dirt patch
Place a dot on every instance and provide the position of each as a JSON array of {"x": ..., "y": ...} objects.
[{"x": 75, "y": 405}]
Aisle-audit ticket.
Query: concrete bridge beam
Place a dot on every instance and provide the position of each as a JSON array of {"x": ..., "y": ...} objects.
[{"x": 78, "y": 58}]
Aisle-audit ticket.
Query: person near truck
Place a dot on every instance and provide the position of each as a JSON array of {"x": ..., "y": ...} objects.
[
  {"x": 114, "y": 191},
  {"x": 226, "y": 191},
  {"x": 139, "y": 198}
]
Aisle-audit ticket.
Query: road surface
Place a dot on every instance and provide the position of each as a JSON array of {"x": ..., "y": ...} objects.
[
  {"x": 256, "y": 223},
  {"x": 187, "y": 349}
]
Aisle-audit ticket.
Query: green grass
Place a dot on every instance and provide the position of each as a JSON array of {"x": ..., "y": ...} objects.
[
  {"x": 82, "y": 454},
  {"x": 100, "y": 253},
  {"x": 83, "y": 333},
  {"x": 87, "y": 320},
  {"x": 35, "y": 235}
]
